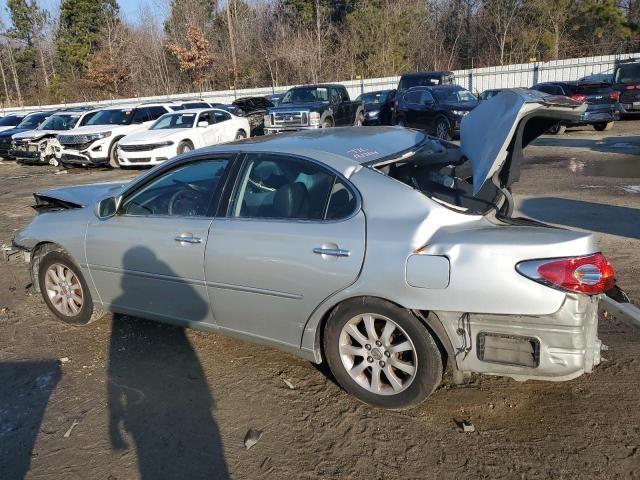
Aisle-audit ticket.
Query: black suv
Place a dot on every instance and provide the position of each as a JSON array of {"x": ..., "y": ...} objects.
[
  {"x": 378, "y": 106},
  {"x": 626, "y": 82},
  {"x": 601, "y": 100},
  {"x": 438, "y": 110}
]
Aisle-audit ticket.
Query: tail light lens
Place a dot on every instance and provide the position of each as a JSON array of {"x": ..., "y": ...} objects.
[
  {"x": 614, "y": 95},
  {"x": 591, "y": 275},
  {"x": 629, "y": 87},
  {"x": 579, "y": 98}
]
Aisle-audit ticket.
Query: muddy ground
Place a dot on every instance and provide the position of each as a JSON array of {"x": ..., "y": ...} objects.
[{"x": 137, "y": 399}]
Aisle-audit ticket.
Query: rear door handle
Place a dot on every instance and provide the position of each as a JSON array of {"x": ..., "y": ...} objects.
[
  {"x": 187, "y": 238},
  {"x": 334, "y": 252}
]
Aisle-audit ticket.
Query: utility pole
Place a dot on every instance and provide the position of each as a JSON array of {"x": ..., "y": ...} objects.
[{"x": 233, "y": 46}]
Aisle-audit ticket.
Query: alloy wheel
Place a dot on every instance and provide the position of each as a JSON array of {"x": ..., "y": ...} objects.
[
  {"x": 63, "y": 289},
  {"x": 378, "y": 354}
]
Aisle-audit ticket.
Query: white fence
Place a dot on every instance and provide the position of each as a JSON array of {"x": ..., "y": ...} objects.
[{"x": 476, "y": 80}]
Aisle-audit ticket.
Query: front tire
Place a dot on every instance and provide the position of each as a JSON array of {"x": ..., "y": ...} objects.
[
  {"x": 442, "y": 129},
  {"x": 184, "y": 147},
  {"x": 601, "y": 127},
  {"x": 327, "y": 123},
  {"x": 113, "y": 155},
  {"x": 240, "y": 135},
  {"x": 359, "y": 121},
  {"x": 557, "y": 129},
  {"x": 65, "y": 290},
  {"x": 381, "y": 353}
]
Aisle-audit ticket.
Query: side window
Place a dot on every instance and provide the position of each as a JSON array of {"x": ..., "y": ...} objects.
[
  {"x": 412, "y": 97},
  {"x": 344, "y": 95},
  {"x": 221, "y": 116},
  {"x": 273, "y": 186},
  {"x": 426, "y": 97},
  {"x": 207, "y": 117},
  {"x": 156, "y": 112},
  {"x": 141, "y": 115},
  {"x": 186, "y": 191},
  {"x": 342, "y": 202},
  {"x": 86, "y": 118}
]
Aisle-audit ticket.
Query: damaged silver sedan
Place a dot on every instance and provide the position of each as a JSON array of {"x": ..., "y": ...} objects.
[{"x": 384, "y": 252}]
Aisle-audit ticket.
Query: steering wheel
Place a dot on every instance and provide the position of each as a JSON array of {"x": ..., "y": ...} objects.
[{"x": 190, "y": 196}]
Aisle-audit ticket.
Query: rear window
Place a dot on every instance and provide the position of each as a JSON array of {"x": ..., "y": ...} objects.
[
  {"x": 591, "y": 89},
  {"x": 627, "y": 73}
]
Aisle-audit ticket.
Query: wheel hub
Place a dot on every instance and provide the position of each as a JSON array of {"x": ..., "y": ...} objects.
[{"x": 376, "y": 354}]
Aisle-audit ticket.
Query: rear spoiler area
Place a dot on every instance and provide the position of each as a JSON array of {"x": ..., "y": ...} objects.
[{"x": 45, "y": 203}]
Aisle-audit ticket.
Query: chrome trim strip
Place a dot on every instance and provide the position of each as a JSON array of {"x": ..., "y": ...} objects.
[{"x": 192, "y": 281}]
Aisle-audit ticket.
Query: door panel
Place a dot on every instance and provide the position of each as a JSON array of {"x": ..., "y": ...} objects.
[
  {"x": 264, "y": 278},
  {"x": 139, "y": 268}
]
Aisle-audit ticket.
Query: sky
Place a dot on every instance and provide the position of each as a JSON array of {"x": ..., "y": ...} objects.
[{"x": 129, "y": 8}]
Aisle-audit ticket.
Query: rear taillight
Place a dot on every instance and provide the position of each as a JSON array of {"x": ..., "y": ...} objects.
[
  {"x": 592, "y": 274},
  {"x": 579, "y": 98},
  {"x": 631, "y": 87},
  {"x": 614, "y": 95}
]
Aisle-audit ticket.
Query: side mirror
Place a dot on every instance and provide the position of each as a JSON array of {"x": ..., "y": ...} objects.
[
  {"x": 203, "y": 124},
  {"x": 107, "y": 207}
]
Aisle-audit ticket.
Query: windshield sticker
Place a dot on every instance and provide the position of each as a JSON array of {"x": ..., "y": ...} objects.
[{"x": 361, "y": 152}]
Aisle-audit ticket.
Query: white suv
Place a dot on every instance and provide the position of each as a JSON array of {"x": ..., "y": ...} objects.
[{"x": 95, "y": 143}]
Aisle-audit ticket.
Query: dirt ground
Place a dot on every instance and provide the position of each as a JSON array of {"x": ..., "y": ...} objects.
[{"x": 137, "y": 399}]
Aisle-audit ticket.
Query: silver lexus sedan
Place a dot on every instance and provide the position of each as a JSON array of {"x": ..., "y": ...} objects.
[{"x": 382, "y": 251}]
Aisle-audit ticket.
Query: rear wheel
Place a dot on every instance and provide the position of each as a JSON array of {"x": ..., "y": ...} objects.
[
  {"x": 184, "y": 147},
  {"x": 601, "y": 127},
  {"x": 65, "y": 290},
  {"x": 442, "y": 129},
  {"x": 381, "y": 353},
  {"x": 557, "y": 129}
]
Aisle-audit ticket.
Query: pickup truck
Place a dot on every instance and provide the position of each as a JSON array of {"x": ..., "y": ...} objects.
[{"x": 313, "y": 106}]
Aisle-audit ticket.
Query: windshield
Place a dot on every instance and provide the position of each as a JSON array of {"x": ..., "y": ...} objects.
[
  {"x": 453, "y": 96},
  {"x": 112, "y": 117},
  {"x": 11, "y": 120},
  {"x": 174, "y": 120},
  {"x": 374, "y": 98},
  {"x": 627, "y": 73},
  {"x": 31, "y": 122},
  {"x": 306, "y": 95},
  {"x": 59, "y": 122}
]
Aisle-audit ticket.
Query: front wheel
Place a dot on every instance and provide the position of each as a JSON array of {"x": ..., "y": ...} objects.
[
  {"x": 65, "y": 290},
  {"x": 113, "y": 156},
  {"x": 327, "y": 123},
  {"x": 359, "y": 121},
  {"x": 240, "y": 135},
  {"x": 184, "y": 147},
  {"x": 557, "y": 129},
  {"x": 382, "y": 354},
  {"x": 601, "y": 127},
  {"x": 442, "y": 129}
]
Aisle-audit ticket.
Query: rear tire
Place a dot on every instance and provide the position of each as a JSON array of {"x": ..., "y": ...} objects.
[
  {"x": 557, "y": 129},
  {"x": 601, "y": 127},
  {"x": 184, "y": 147},
  {"x": 381, "y": 353},
  {"x": 65, "y": 290}
]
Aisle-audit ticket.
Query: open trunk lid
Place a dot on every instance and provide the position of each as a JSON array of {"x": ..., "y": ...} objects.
[{"x": 493, "y": 135}]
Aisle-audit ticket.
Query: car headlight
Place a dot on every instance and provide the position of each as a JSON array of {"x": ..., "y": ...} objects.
[
  {"x": 460, "y": 113},
  {"x": 373, "y": 113},
  {"x": 168, "y": 143},
  {"x": 314, "y": 118},
  {"x": 267, "y": 120},
  {"x": 98, "y": 136}
]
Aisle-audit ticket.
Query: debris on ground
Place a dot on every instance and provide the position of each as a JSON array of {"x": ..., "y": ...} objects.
[
  {"x": 252, "y": 437},
  {"x": 63, "y": 360},
  {"x": 289, "y": 384},
  {"x": 67, "y": 434},
  {"x": 464, "y": 426}
]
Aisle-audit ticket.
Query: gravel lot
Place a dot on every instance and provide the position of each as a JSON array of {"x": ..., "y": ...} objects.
[{"x": 137, "y": 399}]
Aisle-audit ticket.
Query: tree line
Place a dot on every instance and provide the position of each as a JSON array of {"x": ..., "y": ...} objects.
[{"x": 87, "y": 50}]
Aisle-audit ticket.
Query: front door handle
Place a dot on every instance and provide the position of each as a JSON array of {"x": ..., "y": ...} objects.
[
  {"x": 334, "y": 252},
  {"x": 187, "y": 238}
]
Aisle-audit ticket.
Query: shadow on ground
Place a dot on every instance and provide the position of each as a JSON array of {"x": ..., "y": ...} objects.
[
  {"x": 158, "y": 397},
  {"x": 25, "y": 388},
  {"x": 596, "y": 217}
]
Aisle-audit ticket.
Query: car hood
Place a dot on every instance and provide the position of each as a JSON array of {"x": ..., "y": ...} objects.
[
  {"x": 148, "y": 136},
  {"x": 35, "y": 134},
  {"x": 12, "y": 131},
  {"x": 493, "y": 134},
  {"x": 468, "y": 106},
  {"x": 80, "y": 195},
  {"x": 89, "y": 129},
  {"x": 251, "y": 104}
]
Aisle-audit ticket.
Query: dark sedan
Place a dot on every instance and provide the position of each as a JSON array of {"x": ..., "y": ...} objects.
[
  {"x": 602, "y": 103},
  {"x": 438, "y": 110},
  {"x": 378, "y": 107}
]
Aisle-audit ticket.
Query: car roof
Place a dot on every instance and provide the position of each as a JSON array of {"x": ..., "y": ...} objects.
[
  {"x": 340, "y": 148},
  {"x": 315, "y": 85},
  {"x": 435, "y": 87},
  {"x": 419, "y": 74},
  {"x": 191, "y": 110}
]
